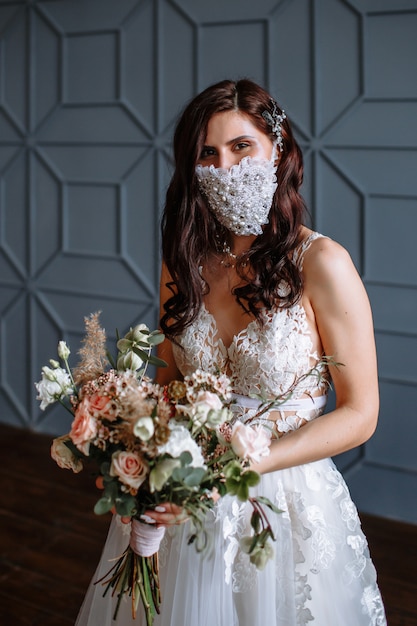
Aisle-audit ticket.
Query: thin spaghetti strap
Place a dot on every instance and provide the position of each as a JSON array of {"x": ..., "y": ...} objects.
[{"x": 301, "y": 249}]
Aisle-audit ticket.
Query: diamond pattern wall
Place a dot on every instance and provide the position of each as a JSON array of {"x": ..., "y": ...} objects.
[{"x": 89, "y": 95}]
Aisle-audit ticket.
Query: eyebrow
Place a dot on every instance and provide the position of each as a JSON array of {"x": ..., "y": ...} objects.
[{"x": 234, "y": 140}]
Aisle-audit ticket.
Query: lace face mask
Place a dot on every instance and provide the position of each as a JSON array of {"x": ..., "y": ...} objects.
[{"x": 240, "y": 197}]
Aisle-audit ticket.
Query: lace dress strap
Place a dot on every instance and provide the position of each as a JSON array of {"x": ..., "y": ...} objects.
[{"x": 301, "y": 249}]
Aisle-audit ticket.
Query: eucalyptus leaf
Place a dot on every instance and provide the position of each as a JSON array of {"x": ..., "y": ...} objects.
[
  {"x": 143, "y": 355},
  {"x": 126, "y": 506},
  {"x": 111, "y": 359},
  {"x": 233, "y": 469},
  {"x": 123, "y": 345},
  {"x": 194, "y": 477},
  {"x": 179, "y": 474},
  {"x": 251, "y": 478},
  {"x": 242, "y": 492},
  {"x": 269, "y": 504},
  {"x": 154, "y": 360},
  {"x": 103, "y": 506},
  {"x": 186, "y": 458},
  {"x": 255, "y": 521},
  {"x": 110, "y": 490},
  {"x": 155, "y": 340},
  {"x": 105, "y": 468},
  {"x": 188, "y": 476},
  {"x": 142, "y": 344}
]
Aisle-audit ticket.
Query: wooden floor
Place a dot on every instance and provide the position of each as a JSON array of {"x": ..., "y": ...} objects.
[{"x": 50, "y": 541}]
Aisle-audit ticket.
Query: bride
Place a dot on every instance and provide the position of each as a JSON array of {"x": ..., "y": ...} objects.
[{"x": 247, "y": 289}]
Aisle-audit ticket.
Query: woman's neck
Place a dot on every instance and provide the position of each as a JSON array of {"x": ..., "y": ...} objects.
[{"x": 240, "y": 244}]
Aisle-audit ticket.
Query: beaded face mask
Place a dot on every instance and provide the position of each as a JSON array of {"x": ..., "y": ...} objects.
[{"x": 240, "y": 197}]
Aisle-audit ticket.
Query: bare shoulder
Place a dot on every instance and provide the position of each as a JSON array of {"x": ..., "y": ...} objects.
[
  {"x": 332, "y": 285},
  {"x": 327, "y": 260}
]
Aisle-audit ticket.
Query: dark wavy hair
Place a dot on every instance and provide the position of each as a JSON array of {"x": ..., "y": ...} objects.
[{"x": 191, "y": 233}]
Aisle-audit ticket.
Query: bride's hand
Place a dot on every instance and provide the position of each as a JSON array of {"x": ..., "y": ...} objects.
[{"x": 167, "y": 514}]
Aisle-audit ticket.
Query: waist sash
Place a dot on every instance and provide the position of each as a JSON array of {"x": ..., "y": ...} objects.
[{"x": 302, "y": 404}]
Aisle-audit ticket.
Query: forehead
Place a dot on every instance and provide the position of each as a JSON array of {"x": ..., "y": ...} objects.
[{"x": 227, "y": 125}]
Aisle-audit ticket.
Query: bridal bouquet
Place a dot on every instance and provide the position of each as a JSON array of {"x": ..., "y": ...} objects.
[{"x": 152, "y": 445}]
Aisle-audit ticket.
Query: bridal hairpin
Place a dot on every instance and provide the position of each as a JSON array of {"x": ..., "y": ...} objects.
[{"x": 275, "y": 119}]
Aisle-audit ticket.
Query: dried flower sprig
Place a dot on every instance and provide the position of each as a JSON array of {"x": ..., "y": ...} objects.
[{"x": 92, "y": 352}]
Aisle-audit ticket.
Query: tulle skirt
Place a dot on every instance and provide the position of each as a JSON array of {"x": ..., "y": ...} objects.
[{"x": 321, "y": 570}]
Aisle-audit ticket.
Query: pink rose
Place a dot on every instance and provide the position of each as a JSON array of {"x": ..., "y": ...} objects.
[
  {"x": 101, "y": 406},
  {"x": 206, "y": 410},
  {"x": 83, "y": 428},
  {"x": 250, "y": 442},
  {"x": 129, "y": 467},
  {"x": 209, "y": 399}
]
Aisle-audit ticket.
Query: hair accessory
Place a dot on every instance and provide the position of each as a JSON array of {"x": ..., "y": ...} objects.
[{"x": 275, "y": 120}]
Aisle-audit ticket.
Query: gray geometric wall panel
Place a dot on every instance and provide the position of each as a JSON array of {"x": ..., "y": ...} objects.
[{"x": 89, "y": 94}]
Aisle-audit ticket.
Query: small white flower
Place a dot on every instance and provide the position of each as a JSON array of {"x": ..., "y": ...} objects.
[
  {"x": 137, "y": 334},
  {"x": 260, "y": 554},
  {"x": 129, "y": 361},
  {"x": 55, "y": 384},
  {"x": 134, "y": 338},
  {"x": 144, "y": 428},
  {"x": 63, "y": 350}
]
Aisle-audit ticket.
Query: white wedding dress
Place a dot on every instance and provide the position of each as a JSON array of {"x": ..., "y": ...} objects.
[{"x": 321, "y": 572}]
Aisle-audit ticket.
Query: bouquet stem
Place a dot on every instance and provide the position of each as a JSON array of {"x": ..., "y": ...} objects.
[{"x": 137, "y": 576}]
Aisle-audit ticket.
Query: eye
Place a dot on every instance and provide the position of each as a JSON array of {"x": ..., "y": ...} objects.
[
  {"x": 207, "y": 152},
  {"x": 242, "y": 145}
]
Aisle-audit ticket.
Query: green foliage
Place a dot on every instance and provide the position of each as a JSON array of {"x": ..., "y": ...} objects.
[{"x": 239, "y": 481}]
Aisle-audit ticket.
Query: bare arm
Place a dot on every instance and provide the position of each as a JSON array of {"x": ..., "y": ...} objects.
[{"x": 339, "y": 305}]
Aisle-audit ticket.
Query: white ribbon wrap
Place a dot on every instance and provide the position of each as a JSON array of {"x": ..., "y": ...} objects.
[{"x": 145, "y": 539}]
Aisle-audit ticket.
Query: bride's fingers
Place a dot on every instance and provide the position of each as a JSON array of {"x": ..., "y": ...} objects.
[{"x": 167, "y": 514}]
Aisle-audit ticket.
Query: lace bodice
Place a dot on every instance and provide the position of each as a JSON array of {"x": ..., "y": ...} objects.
[
  {"x": 263, "y": 359},
  {"x": 260, "y": 360}
]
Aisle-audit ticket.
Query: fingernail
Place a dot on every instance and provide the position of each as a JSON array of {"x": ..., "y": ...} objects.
[
  {"x": 160, "y": 509},
  {"x": 147, "y": 519}
]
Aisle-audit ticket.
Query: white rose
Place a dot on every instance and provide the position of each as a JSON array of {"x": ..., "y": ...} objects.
[
  {"x": 250, "y": 442},
  {"x": 180, "y": 441}
]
